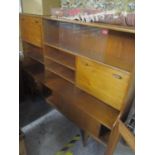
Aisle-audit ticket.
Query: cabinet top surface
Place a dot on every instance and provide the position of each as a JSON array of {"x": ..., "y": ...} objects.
[{"x": 126, "y": 29}]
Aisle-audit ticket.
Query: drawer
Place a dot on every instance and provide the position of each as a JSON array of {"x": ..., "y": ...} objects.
[
  {"x": 31, "y": 29},
  {"x": 81, "y": 119},
  {"x": 104, "y": 82}
]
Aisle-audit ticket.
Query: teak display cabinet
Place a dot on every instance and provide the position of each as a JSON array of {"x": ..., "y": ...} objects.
[
  {"x": 89, "y": 68},
  {"x": 90, "y": 75}
]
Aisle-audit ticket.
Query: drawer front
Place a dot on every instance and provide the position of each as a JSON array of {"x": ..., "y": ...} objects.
[
  {"x": 81, "y": 119},
  {"x": 31, "y": 30},
  {"x": 105, "y": 83}
]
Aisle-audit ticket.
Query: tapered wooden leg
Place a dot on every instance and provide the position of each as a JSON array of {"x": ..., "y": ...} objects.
[
  {"x": 85, "y": 137},
  {"x": 113, "y": 140}
]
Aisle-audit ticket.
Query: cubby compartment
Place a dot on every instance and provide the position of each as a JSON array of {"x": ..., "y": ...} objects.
[
  {"x": 34, "y": 52},
  {"x": 60, "y": 70},
  {"x": 104, "y": 134},
  {"x": 60, "y": 57}
]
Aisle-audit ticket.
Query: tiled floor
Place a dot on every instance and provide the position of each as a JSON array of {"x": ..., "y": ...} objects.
[{"x": 50, "y": 133}]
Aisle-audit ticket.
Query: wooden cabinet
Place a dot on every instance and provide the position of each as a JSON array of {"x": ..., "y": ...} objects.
[
  {"x": 102, "y": 81},
  {"x": 88, "y": 67},
  {"x": 31, "y": 29}
]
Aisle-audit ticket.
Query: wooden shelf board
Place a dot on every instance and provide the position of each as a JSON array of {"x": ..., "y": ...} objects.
[
  {"x": 66, "y": 76},
  {"x": 61, "y": 62},
  {"x": 98, "y": 110},
  {"x": 126, "y": 29}
]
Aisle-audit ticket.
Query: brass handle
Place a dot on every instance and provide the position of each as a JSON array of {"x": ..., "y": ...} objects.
[{"x": 117, "y": 76}]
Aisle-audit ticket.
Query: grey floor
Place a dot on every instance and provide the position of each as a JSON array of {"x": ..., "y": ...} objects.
[
  {"x": 31, "y": 109},
  {"x": 49, "y": 133}
]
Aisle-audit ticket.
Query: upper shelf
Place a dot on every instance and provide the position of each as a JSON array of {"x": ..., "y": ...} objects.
[{"x": 97, "y": 25}]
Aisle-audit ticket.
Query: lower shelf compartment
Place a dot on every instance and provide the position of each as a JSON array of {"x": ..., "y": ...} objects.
[
  {"x": 72, "y": 95},
  {"x": 82, "y": 119},
  {"x": 75, "y": 114}
]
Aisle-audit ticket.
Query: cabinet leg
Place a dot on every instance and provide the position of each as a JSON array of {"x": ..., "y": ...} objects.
[
  {"x": 113, "y": 140},
  {"x": 85, "y": 137}
]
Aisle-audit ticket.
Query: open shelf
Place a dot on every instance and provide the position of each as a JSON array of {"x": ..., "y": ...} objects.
[
  {"x": 98, "y": 110},
  {"x": 33, "y": 52},
  {"x": 60, "y": 57},
  {"x": 60, "y": 70}
]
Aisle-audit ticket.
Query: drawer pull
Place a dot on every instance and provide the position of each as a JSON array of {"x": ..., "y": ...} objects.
[{"x": 117, "y": 76}]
